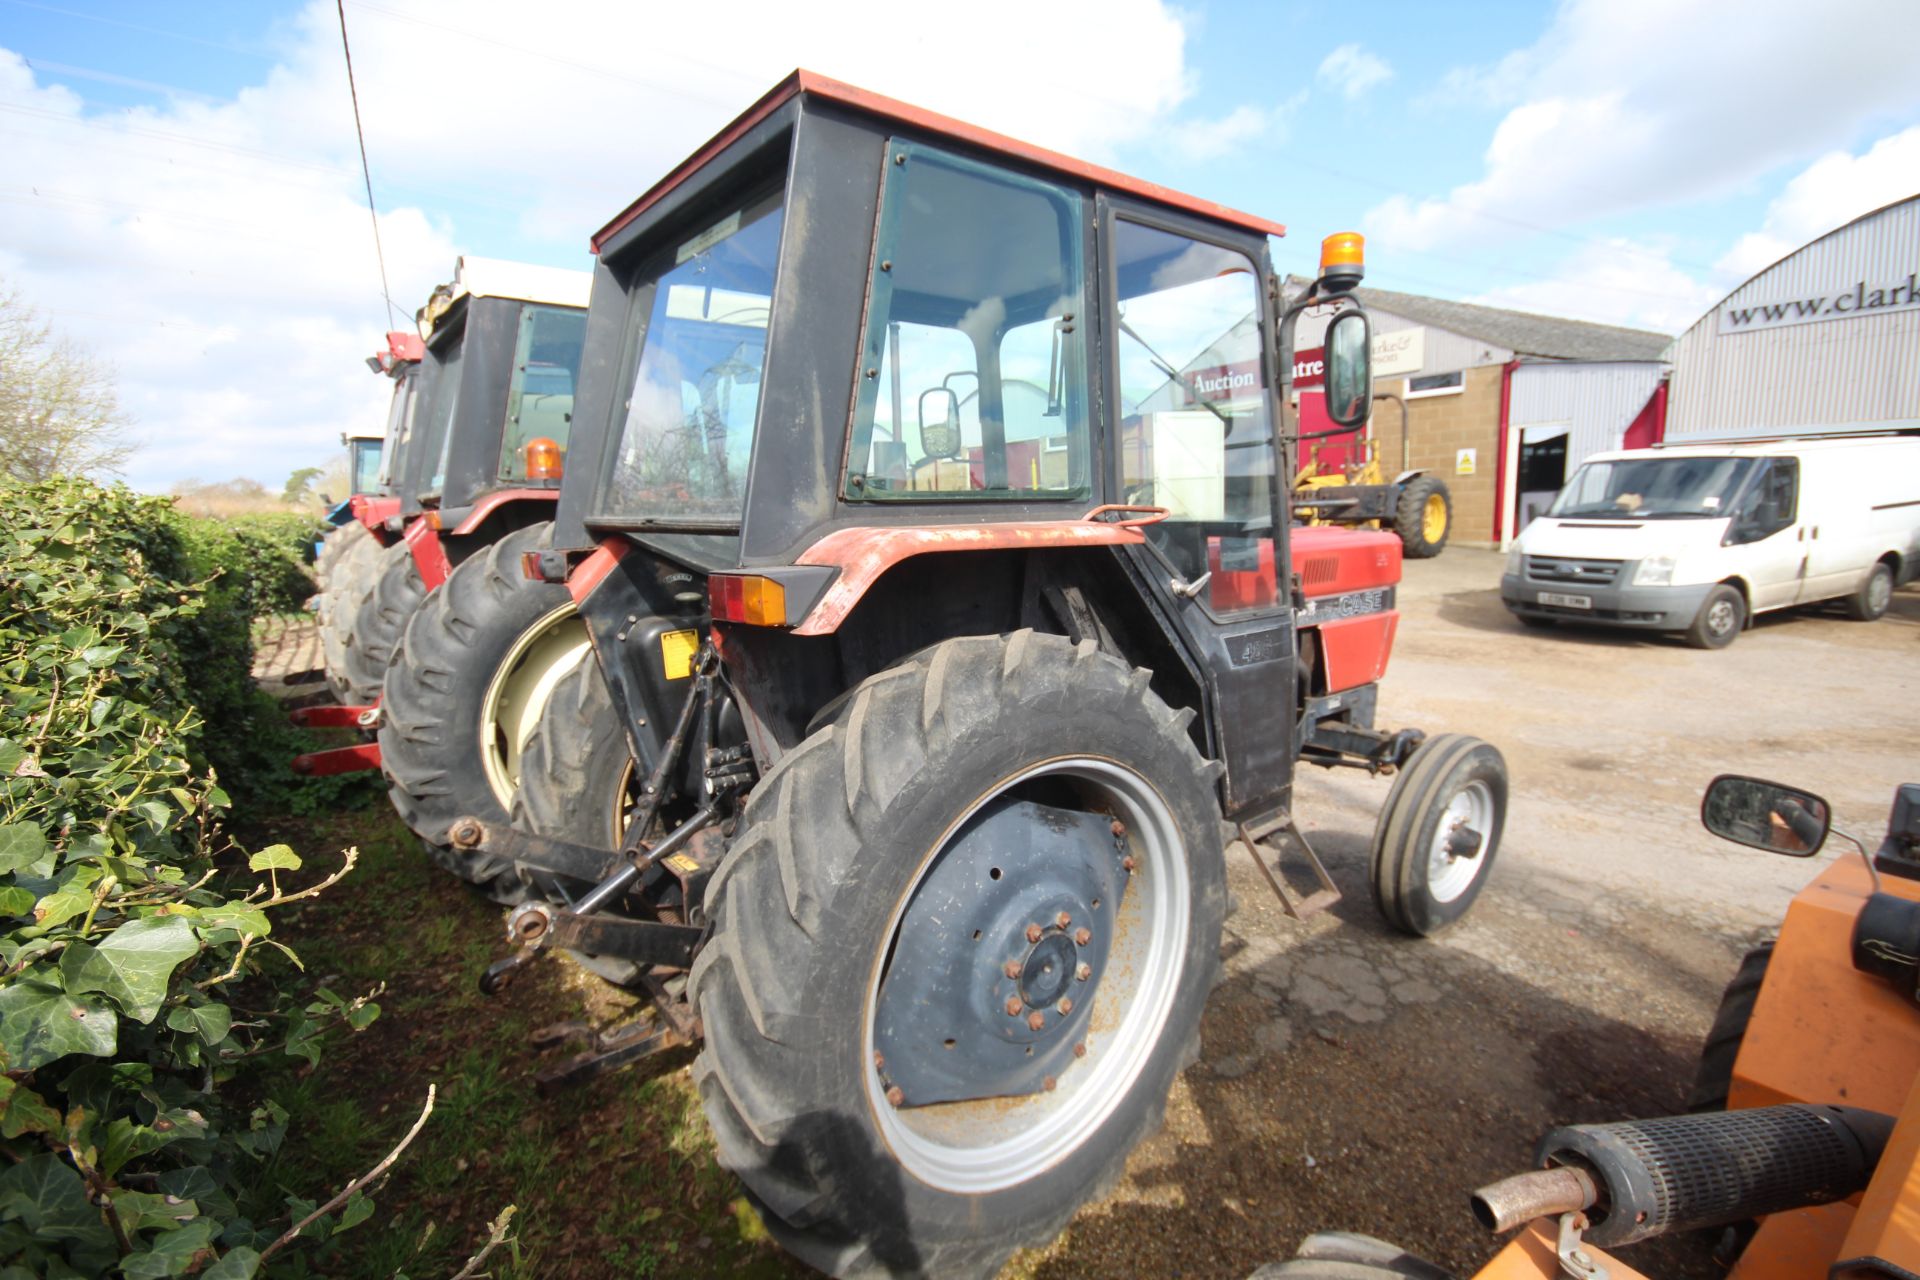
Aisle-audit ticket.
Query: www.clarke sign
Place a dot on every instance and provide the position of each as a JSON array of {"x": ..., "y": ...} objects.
[{"x": 1866, "y": 298}]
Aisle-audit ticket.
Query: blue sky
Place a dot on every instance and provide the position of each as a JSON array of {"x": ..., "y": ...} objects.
[{"x": 183, "y": 193}]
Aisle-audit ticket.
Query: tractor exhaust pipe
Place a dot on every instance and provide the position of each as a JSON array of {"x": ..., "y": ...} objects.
[{"x": 1679, "y": 1173}]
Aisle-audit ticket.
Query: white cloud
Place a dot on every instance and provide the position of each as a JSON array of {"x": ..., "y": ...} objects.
[
  {"x": 1352, "y": 71},
  {"x": 1629, "y": 104},
  {"x": 1614, "y": 282},
  {"x": 1832, "y": 191},
  {"x": 219, "y": 253},
  {"x": 1211, "y": 139}
]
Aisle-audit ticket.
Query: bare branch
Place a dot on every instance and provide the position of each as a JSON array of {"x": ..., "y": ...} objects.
[
  {"x": 352, "y": 856},
  {"x": 496, "y": 1236},
  {"x": 346, "y": 1192}
]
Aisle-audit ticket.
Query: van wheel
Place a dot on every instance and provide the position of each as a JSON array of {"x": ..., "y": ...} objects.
[
  {"x": 1875, "y": 595},
  {"x": 1718, "y": 623}
]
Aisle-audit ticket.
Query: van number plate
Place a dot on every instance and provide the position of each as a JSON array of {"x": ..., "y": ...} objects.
[{"x": 1566, "y": 602}]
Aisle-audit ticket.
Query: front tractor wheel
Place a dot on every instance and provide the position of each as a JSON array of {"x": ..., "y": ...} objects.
[
  {"x": 1437, "y": 836},
  {"x": 960, "y": 949}
]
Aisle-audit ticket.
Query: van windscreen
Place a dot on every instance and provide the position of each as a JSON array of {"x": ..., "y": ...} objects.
[{"x": 1654, "y": 489}]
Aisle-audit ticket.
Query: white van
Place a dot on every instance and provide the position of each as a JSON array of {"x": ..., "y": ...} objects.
[{"x": 1700, "y": 538}]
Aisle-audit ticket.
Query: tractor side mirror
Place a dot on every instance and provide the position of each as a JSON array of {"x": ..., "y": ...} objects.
[
  {"x": 1349, "y": 372},
  {"x": 1765, "y": 815},
  {"x": 940, "y": 438}
]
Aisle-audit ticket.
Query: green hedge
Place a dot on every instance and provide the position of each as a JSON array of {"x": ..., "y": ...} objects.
[{"x": 132, "y": 989}]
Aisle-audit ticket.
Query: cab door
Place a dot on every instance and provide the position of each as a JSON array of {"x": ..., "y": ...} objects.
[{"x": 1193, "y": 396}]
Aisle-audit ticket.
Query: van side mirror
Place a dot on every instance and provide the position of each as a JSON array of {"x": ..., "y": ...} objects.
[
  {"x": 1349, "y": 373},
  {"x": 1765, "y": 815}
]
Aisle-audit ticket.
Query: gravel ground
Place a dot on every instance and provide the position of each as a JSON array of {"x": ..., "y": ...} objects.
[{"x": 1353, "y": 1079}]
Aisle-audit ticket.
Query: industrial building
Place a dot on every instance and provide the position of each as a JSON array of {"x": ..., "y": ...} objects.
[
  {"x": 1826, "y": 339},
  {"x": 1503, "y": 404}
]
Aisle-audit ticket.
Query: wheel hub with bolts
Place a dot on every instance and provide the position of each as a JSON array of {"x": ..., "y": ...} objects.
[{"x": 991, "y": 990}]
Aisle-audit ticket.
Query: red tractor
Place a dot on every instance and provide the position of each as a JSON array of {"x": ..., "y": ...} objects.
[{"x": 947, "y": 624}]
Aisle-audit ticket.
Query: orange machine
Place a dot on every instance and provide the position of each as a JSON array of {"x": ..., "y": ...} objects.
[{"x": 1814, "y": 1162}]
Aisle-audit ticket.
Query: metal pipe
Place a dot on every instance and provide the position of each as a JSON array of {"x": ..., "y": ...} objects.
[
  {"x": 1545, "y": 1193},
  {"x": 614, "y": 885},
  {"x": 1406, "y": 441}
]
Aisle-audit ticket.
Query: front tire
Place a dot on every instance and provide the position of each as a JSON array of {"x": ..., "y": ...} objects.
[
  {"x": 1874, "y": 596},
  {"x": 856, "y": 869},
  {"x": 1721, "y": 616},
  {"x": 1437, "y": 835},
  {"x": 465, "y": 690},
  {"x": 1424, "y": 517}
]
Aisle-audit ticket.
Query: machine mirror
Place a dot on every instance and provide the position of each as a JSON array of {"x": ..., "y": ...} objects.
[
  {"x": 940, "y": 436},
  {"x": 1349, "y": 376},
  {"x": 1766, "y": 815}
]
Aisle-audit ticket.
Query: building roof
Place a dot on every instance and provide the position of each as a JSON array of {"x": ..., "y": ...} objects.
[{"x": 1522, "y": 332}]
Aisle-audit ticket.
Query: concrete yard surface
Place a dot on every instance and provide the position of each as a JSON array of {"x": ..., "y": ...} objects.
[{"x": 1353, "y": 1079}]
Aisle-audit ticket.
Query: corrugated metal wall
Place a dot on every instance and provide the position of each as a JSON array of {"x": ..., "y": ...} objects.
[
  {"x": 1864, "y": 368},
  {"x": 1598, "y": 401}
]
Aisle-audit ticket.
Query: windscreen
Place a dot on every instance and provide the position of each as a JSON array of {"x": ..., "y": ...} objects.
[
  {"x": 694, "y": 390},
  {"x": 546, "y": 367},
  {"x": 1654, "y": 488}
]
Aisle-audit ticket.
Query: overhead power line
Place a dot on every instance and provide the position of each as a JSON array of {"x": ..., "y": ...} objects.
[{"x": 366, "y": 172}]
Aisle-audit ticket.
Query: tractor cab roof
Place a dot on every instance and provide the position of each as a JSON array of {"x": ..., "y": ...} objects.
[
  {"x": 844, "y": 310},
  {"x": 501, "y": 360}
]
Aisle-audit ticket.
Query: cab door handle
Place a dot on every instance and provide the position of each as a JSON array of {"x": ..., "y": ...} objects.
[{"x": 1188, "y": 590}]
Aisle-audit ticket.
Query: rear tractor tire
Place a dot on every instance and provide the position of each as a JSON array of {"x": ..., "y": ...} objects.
[
  {"x": 465, "y": 690},
  {"x": 393, "y": 592},
  {"x": 578, "y": 781},
  {"x": 1424, "y": 517},
  {"x": 1438, "y": 834},
  {"x": 961, "y": 945},
  {"x": 348, "y": 584}
]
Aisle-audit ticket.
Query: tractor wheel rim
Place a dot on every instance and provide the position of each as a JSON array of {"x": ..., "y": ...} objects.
[
  {"x": 1433, "y": 518},
  {"x": 1720, "y": 617},
  {"x": 519, "y": 690},
  {"x": 1451, "y": 866},
  {"x": 1879, "y": 590},
  {"x": 984, "y": 1145}
]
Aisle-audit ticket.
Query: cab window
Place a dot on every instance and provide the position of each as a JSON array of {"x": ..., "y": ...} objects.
[
  {"x": 693, "y": 393},
  {"x": 973, "y": 381},
  {"x": 546, "y": 365},
  {"x": 1196, "y": 430}
]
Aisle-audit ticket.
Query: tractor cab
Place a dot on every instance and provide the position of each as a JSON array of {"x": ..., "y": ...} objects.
[
  {"x": 502, "y": 358},
  {"x": 928, "y": 517},
  {"x": 1032, "y": 353}
]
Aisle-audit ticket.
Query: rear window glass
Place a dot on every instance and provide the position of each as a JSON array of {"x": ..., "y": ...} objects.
[{"x": 693, "y": 393}]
